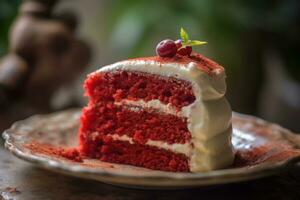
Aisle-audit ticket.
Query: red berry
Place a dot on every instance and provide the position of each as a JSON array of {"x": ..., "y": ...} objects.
[
  {"x": 182, "y": 51},
  {"x": 189, "y": 50},
  {"x": 178, "y": 43},
  {"x": 166, "y": 48},
  {"x": 186, "y": 51}
]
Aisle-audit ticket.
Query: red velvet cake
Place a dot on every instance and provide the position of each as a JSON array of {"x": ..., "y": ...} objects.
[{"x": 161, "y": 113}]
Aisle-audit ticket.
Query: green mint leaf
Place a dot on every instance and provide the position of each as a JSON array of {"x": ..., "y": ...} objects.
[
  {"x": 184, "y": 36},
  {"x": 185, "y": 41},
  {"x": 195, "y": 43}
]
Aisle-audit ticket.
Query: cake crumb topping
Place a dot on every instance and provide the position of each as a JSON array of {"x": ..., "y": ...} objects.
[{"x": 204, "y": 64}]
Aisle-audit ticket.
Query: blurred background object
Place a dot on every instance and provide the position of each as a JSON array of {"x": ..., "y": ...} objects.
[
  {"x": 256, "y": 41},
  {"x": 43, "y": 55}
]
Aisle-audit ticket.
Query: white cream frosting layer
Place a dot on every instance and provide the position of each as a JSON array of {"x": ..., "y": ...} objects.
[
  {"x": 177, "y": 148},
  {"x": 208, "y": 117},
  {"x": 152, "y": 104}
]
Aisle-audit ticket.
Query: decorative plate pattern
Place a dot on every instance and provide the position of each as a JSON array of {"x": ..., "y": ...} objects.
[{"x": 261, "y": 149}]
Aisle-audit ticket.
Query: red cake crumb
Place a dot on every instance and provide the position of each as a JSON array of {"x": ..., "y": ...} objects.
[
  {"x": 208, "y": 66},
  {"x": 273, "y": 151},
  {"x": 69, "y": 153},
  {"x": 122, "y": 152},
  {"x": 136, "y": 86},
  {"x": 141, "y": 126}
]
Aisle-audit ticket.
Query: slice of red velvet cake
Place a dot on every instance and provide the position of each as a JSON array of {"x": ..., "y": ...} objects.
[
  {"x": 160, "y": 113},
  {"x": 164, "y": 113}
]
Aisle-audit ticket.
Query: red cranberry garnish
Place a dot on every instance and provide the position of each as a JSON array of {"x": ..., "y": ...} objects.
[
  {"x": 166, "y": 48},
  {"x": 178, "y": 43},
  {"x": 186, "y": 51}
]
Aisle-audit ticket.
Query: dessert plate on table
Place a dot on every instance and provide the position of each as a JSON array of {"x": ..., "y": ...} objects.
[{"x": 261, "y": 149}]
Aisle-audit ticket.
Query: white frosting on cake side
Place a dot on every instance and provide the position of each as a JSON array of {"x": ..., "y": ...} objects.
[{"x": 209, "y": 116}]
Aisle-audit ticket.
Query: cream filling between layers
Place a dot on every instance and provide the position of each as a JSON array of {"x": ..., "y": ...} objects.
[
  {"x": 209, "y": 116},
  {"x": 153, "y": 104},
  {"x": 185, "y": 148}
]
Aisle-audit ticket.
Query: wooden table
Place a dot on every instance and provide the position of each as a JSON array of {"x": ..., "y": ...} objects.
[{"x": 24, "y": 181}]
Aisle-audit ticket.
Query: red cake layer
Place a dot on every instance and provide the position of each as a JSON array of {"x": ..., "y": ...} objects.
[
  {"x": 122, "y": 152},
  {"x": 139, "y": 125},
  {"x": 204, "y": 64},
  {"x": 135, "y": 86}
]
